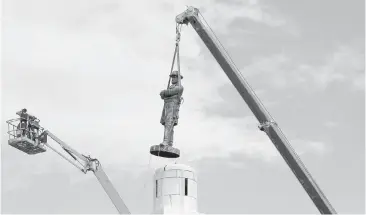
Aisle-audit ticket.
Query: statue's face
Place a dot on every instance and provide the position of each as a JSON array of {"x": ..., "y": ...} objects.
[{"x": 174, "y": 79}]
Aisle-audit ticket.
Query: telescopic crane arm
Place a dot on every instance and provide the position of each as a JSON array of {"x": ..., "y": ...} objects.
[
  {"x": 267, "y": 124},
  {"x": 88, "y": 164}
]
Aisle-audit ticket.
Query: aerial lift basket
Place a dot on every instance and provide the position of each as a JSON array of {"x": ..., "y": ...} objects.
[{"x": 24, "y": 139}]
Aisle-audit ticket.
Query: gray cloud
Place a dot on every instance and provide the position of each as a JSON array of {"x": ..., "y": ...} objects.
[{"x": 92, "y": 71}]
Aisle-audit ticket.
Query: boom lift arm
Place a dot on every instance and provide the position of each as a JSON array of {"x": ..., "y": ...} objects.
[
  {"x": 267, "y": 124},
  {"x": 28, "y": 136},
  {"x": 88, "y": 164}
]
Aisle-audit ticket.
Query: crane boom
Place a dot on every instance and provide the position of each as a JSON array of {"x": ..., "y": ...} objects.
[
  {"x": 89, "y": 164},
  {"x": 267, "y": 124}
]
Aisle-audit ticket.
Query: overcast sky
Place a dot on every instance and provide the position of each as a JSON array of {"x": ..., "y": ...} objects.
[{"x": 91, "y": 71}]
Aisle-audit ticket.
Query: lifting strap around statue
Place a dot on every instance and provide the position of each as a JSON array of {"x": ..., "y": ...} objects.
[{"x": 176, "y": 55}]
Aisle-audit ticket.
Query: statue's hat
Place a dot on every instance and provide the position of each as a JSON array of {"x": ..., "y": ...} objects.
[{"x": 175, "y": 73}]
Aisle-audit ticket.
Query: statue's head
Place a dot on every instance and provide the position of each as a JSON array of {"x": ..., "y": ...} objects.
[
  {"x": 174, "y": 76},
  {"x": 24, "y": 110}
]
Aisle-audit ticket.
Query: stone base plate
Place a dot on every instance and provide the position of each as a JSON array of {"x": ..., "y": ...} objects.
[
  {"x": 164, "y": 151},
  {"x": 26, "y": 145}
]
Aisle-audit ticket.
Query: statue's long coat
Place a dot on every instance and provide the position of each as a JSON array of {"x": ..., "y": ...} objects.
[{"x": 172, "y": 101}]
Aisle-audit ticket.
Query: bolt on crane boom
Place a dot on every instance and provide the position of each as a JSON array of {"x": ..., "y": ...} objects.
[
  {"x": 267, "y": 124},
  {"x": 32, "y": 139}
]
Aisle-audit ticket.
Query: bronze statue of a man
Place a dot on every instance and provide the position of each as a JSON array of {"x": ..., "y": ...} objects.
[{"x": 172, "y": 100}]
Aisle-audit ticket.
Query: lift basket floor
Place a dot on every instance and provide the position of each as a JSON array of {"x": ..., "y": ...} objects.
[{"x": 26, "y": 145}]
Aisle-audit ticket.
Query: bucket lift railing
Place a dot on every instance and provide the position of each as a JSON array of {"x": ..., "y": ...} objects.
[
  {"x": 15, "y": 129},
  {"x": 24, "y": 135}
]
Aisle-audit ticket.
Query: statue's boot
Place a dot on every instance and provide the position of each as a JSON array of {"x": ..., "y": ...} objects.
[{"x": 164, "y": 143}]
